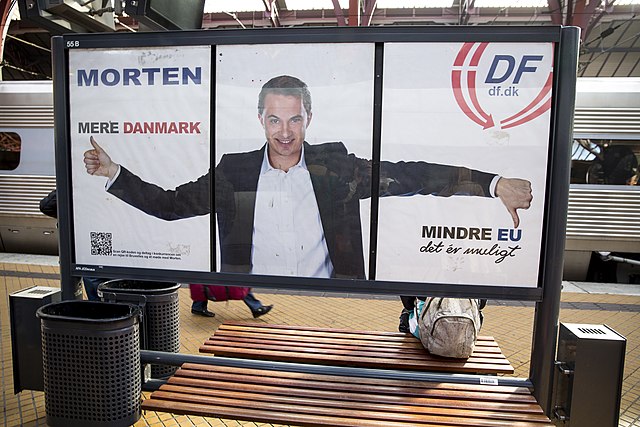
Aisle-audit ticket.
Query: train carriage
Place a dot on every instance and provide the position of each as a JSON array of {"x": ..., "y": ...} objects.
[
  {"x": 604, "y": 200},
  {"x": 27, "y": 171}
]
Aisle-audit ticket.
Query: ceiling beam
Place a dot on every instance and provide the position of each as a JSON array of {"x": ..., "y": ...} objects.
[
  {"x": 577, "y": 13},
  {"x": 5, "y": 10},
  {"x": 583, "y": 15},
  {"x": 339, "y": 15},
  {"x": 610, "y": 50},
  {"x": 555, "y": 11},
  {"x": 354, "y": 13},
  {"x": 271, "y": 7},
  {"x": 463, "y": 11},
  {"x": 369, "y": 8}
]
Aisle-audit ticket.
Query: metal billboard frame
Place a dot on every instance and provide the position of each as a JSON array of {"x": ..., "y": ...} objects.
[{"x": 546, "y": 295}]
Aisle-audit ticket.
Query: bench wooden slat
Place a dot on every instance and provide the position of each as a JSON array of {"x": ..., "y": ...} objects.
[
  {"x": 178, "y": 393},
  {"x": 365, "y": 381},
  {"x": 409, "y": 343},
  {"x": 248, "y": 414},
  {"x": 328, "y": 400},
  {"x": 302, "y": 338},
  {"x": 449, "y": 365},
  {"x": 326, "y": 382},
  {"x": 326, "y": 333},
  {"x": 442, "y": 398},
  {"x": 230, "y": 324},
  {"x": 274, "y": 393},
  {"x": 409, "y": 347},
  {"x": 341, "y": 347},
  {"x": 383, "y": 413},
  {"x": 371, "y": 352}
]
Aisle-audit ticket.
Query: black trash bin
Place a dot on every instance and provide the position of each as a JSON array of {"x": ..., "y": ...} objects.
[
  {"x": 91, "y": 363},
  {"x": 161, "y": 314}
]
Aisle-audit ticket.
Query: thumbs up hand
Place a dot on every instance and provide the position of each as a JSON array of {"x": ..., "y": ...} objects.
[{"x": 97, "y": 161}]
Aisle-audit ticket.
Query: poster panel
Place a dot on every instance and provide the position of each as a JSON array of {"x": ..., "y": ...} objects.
[
  {"x": 147, "y": 111},
  {"x": 261, "y": 230},
  {"x": 484, "y": 108}
]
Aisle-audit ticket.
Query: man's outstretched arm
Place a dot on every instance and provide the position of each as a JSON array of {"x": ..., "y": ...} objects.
[
  {"x": 187, "y": 200},
  {"x": 410, "y": 178}
]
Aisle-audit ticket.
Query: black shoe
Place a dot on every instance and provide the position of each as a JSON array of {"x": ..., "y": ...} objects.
[
  {"x": 261, "y": 311},
  {"x": 205, "y": 312},
  {"x": 404, "y": 321}
]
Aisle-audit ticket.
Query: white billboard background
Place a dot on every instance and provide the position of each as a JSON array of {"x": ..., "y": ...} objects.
[
  {"x": 421, "y": 120},
  {"x": 340, "y": 80},
  {"x": 339, "y": 77},
  {"x": 167, "y": 160}
]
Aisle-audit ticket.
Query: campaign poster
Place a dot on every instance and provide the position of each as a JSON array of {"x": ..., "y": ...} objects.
[
  {"x": 139, "y": 129},
  {"x": 317, "y": 232},
  {"x": 485, "y": 109}
]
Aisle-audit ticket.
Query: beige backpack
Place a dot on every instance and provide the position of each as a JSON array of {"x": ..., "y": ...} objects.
[{"x": 449, "y": 327}]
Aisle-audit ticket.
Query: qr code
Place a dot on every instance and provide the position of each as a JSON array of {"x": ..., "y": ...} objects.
[{"x": 101, "y": 243}]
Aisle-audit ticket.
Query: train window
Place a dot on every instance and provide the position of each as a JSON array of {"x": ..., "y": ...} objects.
[
  {"x": 10, "y": 146},
  {"x": 608, "y": 162}
]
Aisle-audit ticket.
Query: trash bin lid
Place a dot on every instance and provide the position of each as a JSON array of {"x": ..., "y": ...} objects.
[
  {"x": 87, "y": 311},
  {"x": 138, "y": 287}
]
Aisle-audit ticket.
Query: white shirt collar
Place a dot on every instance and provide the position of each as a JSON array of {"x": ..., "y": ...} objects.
[{"x": 266, "y": 165}]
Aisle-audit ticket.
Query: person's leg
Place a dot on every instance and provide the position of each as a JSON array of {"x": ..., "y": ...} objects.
[
  {"x": 482, "y": 303},
  {"x": 91, "y": 287},
  {"x": 199, "y": 305},
  {"x": 199, "y": 298},
  {"x": 252, "y": 302},
  {"x": 200, "y": 308},
  {"x": 256, "y": 307},
  {"x": 407, "y": 303}
]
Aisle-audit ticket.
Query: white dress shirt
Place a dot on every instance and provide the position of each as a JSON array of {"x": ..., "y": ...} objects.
[{"x": 288, "y": 238}]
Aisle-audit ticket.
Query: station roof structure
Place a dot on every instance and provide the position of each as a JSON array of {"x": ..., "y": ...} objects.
[{"x": 610, "y": 29}]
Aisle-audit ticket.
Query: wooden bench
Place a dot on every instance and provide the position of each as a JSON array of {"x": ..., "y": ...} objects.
[
  {"x": 294, "y": 398},
  {"x": 297, "y": 398},
  {"x": 342, "y": 347}
]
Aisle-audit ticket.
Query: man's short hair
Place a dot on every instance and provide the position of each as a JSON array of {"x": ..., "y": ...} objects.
[{"x": 288, "y": 86}]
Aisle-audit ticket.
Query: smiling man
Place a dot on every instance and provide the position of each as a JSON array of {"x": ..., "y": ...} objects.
[
  {"x": 291, "y": 208},
  {"x": 285, "y": 116}
]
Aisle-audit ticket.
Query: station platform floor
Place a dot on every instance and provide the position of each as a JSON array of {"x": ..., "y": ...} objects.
[{"x": 510, "y": 322}]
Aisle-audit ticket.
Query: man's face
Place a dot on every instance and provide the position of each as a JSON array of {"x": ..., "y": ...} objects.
[{"x": 285, "y": 121}]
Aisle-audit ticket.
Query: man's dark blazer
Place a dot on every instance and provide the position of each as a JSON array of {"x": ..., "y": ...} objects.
[{"x": 339, "y": 181}]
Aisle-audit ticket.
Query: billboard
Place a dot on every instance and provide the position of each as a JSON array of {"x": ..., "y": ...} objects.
[
  {"x": 141, "y": 112},
  {"x": 410, "y": 163},
  {"x": 486, "y": 109}
]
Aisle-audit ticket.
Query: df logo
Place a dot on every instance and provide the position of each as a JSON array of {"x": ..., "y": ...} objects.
[{"x": 503, "y": 69}]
